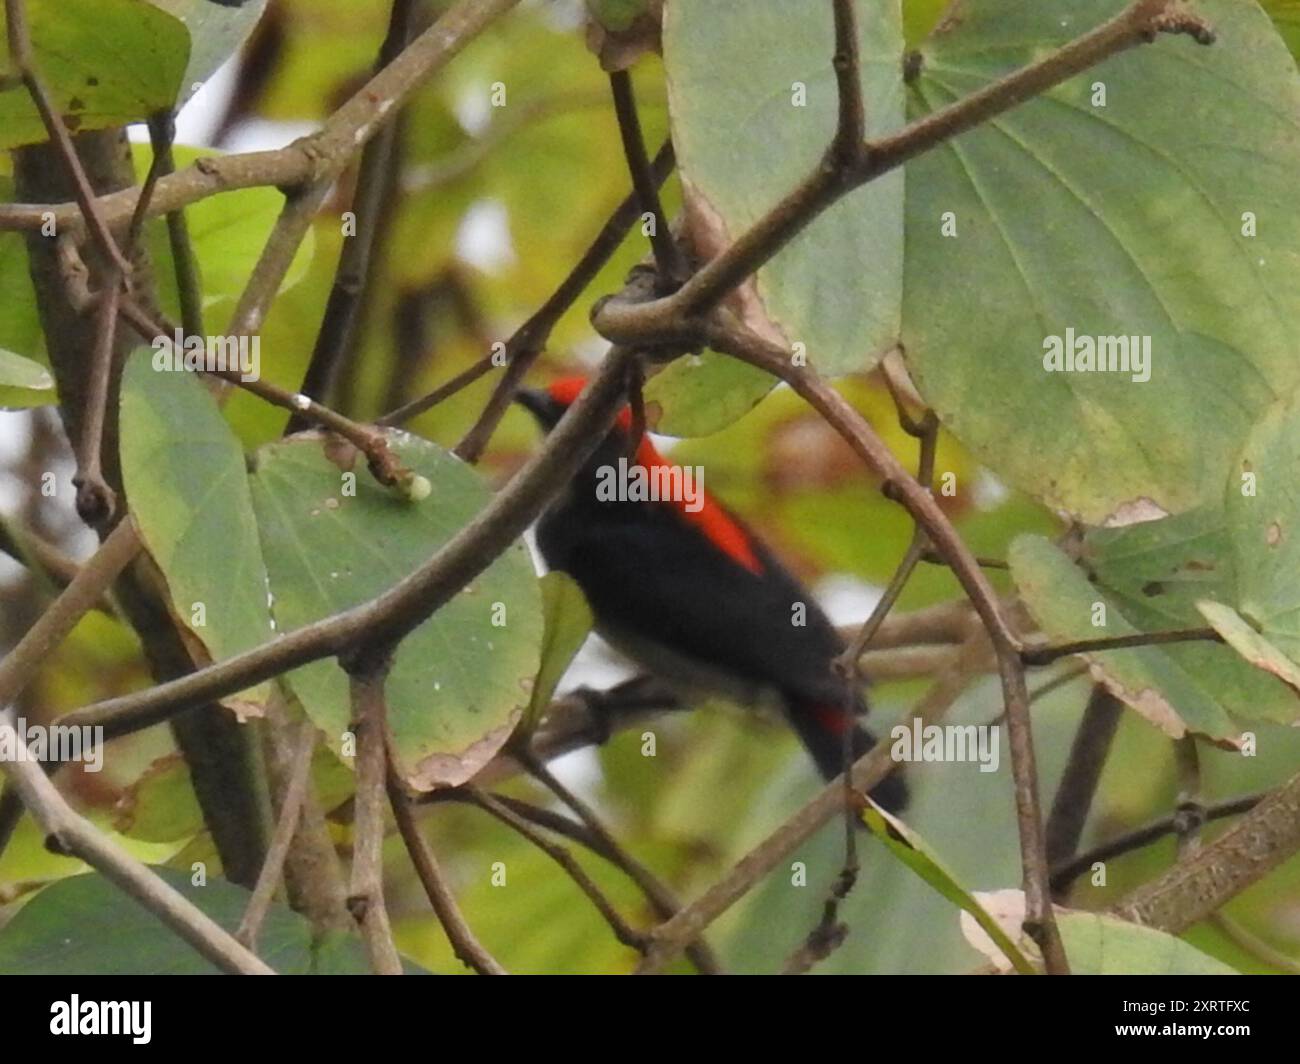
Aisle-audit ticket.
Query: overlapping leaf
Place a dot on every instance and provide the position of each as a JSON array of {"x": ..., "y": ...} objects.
[
  {"x": 104, "y": 63},
  {"x": 1147, "y": 198},
  {"x": 333, "y": 538}
]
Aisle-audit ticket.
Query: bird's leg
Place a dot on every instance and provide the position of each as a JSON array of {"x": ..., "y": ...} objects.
[{"x": 636, "y": 695}]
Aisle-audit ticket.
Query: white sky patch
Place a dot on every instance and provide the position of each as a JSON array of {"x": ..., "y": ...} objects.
[
  {"x": 483, "y": 239},
  {"x": 846, "y": 599},
  {"x": 473, "y": 109}
]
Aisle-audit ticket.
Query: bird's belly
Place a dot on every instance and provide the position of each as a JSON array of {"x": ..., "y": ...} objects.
[{"x": 688, "y": 674}]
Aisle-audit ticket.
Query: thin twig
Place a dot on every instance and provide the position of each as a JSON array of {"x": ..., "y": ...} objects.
[
  {"x": 662, "y": 900},
  {"x": 464, "y": 943},
  {"x": 530, "y": 339},
  {"x": 96, "y": 501},
  {"x": 290, "y": 811},
  {"x": 1045, "y": 655},
  {"x": 849, "y": 145},
  {"x": 1068, "y": 871},
  {"x": 162, "y": 130},
  {"x": 668, "y": 256},
  {"x": 338, "y": 326},
  {"x": 623, "y": 931}
]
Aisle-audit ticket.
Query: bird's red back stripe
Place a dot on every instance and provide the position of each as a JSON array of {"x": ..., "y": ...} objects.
[{"x": 717, "y": 526}]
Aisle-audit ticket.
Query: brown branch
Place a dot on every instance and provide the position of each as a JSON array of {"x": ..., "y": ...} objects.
[
  {"x": 1045, "y": 655},
  {"x": 72, "y": 835},
  {"x": 1198, "y": 886},
  {"x": 671, "y": 265},
  {"x": 661, "y": 899},
  {"x": 318, "y": 157},
  {"x": 727, "y": 336},
  {"x": 1083, "y": 769},
  {"x": 290, "y": 810},
  {"x": 83, "y": 593},
  {"x": 338, "y": 326},
  {"x": 1068, "y": 871},
  {"x": 464, "y": 943},
  {"x": 366, "y": 888}
]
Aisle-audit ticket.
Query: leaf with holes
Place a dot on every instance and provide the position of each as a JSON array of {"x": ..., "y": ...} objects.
[
  {"x": 1143, "y": 202},
  {"x": 1200, "y": 687},
  {"x": 333, "y": 538},
  {"x": 103, "y": 62},
  {"x": 1263, "y": 507}
]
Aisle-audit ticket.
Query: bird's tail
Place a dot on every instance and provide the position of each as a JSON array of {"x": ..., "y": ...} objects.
[{"x": 822, "y": 727}]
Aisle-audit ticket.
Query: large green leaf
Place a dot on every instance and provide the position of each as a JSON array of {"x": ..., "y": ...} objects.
[
  {"x": 184, "y": 476},
  {"x": 1163, "y": 213},
  {"x": 1116, "y": 220},
  {"x": 753, "y": 103},
  {"x": 62, "y": 932},
  {"x": 334, "y": 538},
  {"x": 104, "y": 62}
]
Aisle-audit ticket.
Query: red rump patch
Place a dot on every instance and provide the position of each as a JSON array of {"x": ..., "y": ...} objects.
[
  {"x": 718, "y": 526},
  {"x": 832, "y": 718}
]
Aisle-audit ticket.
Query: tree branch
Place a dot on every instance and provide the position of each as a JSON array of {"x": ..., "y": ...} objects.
[
  {"x": 70, "y": 834},
  {"x": 366, "y": 889},
  {"x": 1198, "y": 886},
  {"x": 464, "y": 943},
  {"x": 278, "y": 849}
]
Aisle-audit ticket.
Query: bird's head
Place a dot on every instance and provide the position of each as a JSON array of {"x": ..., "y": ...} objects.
[{"x": 548, "y": 404}]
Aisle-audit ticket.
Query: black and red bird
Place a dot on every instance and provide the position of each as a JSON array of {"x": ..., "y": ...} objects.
[{"x": 697, "y": 598}]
